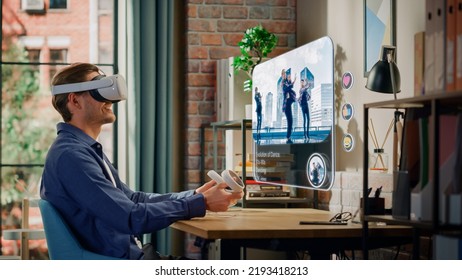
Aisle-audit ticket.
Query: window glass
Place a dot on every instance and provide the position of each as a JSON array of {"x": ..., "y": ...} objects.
[
  {"x": 28, "y": 118},
  {"x": 58, "y": 4},
  {"x": 35, "y": 45}
]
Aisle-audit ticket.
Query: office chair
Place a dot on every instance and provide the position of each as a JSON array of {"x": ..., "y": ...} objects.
[{"x": 62, "y": 243}]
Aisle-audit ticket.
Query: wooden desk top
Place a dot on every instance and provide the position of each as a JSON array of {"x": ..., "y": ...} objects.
[{"x": 253, "y": 223}]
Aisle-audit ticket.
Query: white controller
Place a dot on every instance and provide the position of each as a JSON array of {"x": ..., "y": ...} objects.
[{"x": 229, "y": 177}]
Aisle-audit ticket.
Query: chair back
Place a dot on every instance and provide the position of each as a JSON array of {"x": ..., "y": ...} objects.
[{"x": 61, "y": 241}]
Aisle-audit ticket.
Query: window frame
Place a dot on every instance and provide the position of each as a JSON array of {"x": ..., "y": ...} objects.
[{"x": 114, "y": 66}]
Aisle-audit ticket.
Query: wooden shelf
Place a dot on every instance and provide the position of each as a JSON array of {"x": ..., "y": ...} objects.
[
  {"x": 446, "y": 98},
  {"x": 234, "y": 124}
]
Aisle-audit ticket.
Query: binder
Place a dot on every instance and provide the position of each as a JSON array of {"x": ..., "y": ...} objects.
[
  {"x": 447, "y": 247},
  {"x": 429, "y": 47},
  {"x": 450, "y": 45},
  {"x": 440, "y": 44},
  {"x": 419, "y": 63},
  {"x": 459, "y": 45}
]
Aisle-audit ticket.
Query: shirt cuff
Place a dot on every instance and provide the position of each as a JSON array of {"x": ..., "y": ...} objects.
[{"x": 196, "y": 204}]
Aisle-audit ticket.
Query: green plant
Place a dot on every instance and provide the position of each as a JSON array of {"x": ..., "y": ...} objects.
[
  {"x": 256, "y": 44},
  {"x": 27, "y": 128}
]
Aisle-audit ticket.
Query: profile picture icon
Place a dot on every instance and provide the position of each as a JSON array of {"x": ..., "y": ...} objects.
[
  {"x": 316, "y": 170},
  {"x": 347, "y": 111}
]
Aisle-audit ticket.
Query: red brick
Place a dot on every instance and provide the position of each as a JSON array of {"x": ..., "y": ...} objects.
[
  {"x": 278, "y": 51},
  {"x": 259, "y": 13},
  {"x": 193, "y": 134},
  {"x": 192, "y": 108},
  {"x": 225, "y": 2},
  {"x": 197, "y": 52},
  {"x": 200, "y": 80},
  {"x": 209, "y": 135},
  {"x": 195, "y": 121},
  {"x": 193, "y": 39},
  {"x": 232, "y": 39},
  {"x": 282, "y": 13},
  {"x": 211, "y": 39},
  {"x": 191, "y": 11},
  {"x": 193, "y": 176},
  {"x": 194, "y": 94},
  {"x": 282, "y": 40},
  {"x": 194, "y": 66},
  {"x": 235, "y": 12},
  {"x": 200, "y": 25},
  {"x": 194, "y": 149},
  {"x": 206, "y": 108},
  {"x": 193, "y": 162},
  {"x": 209, "y": 12},
  {"x": 195, "y": 1},
  {"x": 223, "y": 52},
  {"x": 208, "y": 66},
  {"x": 209, "y": 94},
  {"x": 235, "y": 25},
  {"x": 266, "y": 2},
  {"x": 284, "y": 27}
]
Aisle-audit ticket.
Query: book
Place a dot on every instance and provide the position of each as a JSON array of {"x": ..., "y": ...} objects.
[
  {"x": 268, "y": 194},
  {"x": 429, "y": 57},
  {"x": 440, "y": 38},
  {"x": 458, "y": 45},
  {"x": 419, "y": 63},
  {"x": 450, "y": 45}
]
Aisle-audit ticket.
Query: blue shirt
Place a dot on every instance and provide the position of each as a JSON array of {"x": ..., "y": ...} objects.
[{"x": 105, "y": 218}]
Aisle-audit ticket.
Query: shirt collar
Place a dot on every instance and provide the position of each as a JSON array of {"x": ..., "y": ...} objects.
[{"x": 77, "y": 132}]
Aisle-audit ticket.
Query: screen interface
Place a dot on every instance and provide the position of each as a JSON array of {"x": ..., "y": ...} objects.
[{"x": 293, "y": 117}]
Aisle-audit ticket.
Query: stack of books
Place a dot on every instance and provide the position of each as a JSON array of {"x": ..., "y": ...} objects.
[{"x": 256, "y": 190}]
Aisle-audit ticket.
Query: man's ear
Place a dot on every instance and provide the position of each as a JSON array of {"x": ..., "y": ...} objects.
[{"x": 74, "y": 100}]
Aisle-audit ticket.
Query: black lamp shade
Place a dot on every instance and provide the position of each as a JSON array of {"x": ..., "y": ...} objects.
[{"x": 379, "y": 78}]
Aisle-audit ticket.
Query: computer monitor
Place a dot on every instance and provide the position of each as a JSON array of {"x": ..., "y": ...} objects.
[{"x": 293, "y": 117}]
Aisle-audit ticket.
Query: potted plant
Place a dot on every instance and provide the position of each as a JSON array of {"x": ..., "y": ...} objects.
[{"x": 256, "y": 44}]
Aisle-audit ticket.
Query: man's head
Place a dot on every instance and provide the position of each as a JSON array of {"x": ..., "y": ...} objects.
[
  {"x": 85, "y": 79},
  {"x": 74, "y": 73}
]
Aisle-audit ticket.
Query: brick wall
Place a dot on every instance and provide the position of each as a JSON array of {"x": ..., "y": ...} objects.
[{"x": 213, "y": 29}]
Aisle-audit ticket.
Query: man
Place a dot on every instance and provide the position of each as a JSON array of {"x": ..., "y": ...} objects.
[
  {"x": 79, "y": 181},
  {"x": 258, "y": 110}
]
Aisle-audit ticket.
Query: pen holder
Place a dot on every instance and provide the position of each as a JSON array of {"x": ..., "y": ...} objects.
[{"x": 376, "y": 205}]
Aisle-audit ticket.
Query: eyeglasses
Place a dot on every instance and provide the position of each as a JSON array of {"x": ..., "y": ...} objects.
[{"x": 341, "y": 217}]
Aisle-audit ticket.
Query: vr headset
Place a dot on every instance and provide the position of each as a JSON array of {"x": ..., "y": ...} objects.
[{"x": 104, "y": 89}]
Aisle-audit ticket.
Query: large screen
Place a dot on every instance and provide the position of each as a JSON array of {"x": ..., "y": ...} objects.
[{"x": 293, "y": 117}]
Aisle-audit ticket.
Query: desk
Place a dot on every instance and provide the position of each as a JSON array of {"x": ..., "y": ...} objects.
[{"x": 279, "y": 229}]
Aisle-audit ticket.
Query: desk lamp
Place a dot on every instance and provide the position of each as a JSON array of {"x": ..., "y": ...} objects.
[{"x": 384, "y": 77}]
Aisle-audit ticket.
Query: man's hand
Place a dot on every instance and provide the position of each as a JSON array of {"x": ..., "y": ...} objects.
[{"x": 217, "y": 199}]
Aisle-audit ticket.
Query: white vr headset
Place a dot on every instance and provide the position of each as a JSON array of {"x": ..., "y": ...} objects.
[{"x": 102, "y": 88}]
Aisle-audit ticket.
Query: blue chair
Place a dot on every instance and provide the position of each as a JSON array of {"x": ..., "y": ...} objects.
[{"x": 62, "y": 243}]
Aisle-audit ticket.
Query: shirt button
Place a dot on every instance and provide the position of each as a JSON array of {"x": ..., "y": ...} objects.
[{"x": 98, "y": 146}]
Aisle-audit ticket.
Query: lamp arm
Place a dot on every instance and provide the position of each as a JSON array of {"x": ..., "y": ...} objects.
[
  {"x": 397, "y": 114},
  {"x": 392, "y": 73}
]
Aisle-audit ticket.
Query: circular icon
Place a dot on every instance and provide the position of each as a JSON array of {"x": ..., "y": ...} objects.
[
  {"x": 316, "y": 170},
  {"x": 348, "y": 142},
  {"x": 347, "y": 80},
  {"x": 347, "y": 111}
]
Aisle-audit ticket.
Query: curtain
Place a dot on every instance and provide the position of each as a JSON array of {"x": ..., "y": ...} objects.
[{"x": 153, "y": 54}]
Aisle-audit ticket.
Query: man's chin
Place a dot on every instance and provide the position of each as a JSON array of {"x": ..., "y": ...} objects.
[{"x": 110, "y": 120}]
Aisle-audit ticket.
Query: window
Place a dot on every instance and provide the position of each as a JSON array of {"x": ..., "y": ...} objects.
[
  {"x": 58, "y": 4},
  {"x": 57, "y": 56},
  {"x": 28, "y": 120}
]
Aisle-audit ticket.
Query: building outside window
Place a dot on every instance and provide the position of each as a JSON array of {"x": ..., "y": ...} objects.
[{"x": 35, "y": 44}]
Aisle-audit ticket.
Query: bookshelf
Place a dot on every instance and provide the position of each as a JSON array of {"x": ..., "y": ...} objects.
[{"x": 438, "y": 103}]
